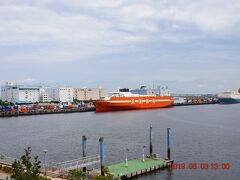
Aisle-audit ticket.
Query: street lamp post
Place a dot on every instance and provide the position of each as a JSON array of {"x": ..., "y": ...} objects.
[
  {"x": 45, "y": 161},
  {"x": 126, "y": 160},
  {"x": 143, "y": 156}
]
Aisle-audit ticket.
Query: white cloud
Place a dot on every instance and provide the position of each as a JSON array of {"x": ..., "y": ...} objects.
[
  {"x": 66, "y": 30},
  {"x": 26, "y": 80},
  {"x": 138, "y": 11},
  {"x": 213, "y": 15},
  {"x": 20, "y": 81}
]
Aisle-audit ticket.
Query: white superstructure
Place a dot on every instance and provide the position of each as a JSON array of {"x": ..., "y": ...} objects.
[
  {"x": 229, "y": 97},
  {"x": 232, "y": 94}
]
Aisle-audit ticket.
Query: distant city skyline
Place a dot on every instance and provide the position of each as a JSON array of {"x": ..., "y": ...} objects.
[{"x": 189, "y": 46}]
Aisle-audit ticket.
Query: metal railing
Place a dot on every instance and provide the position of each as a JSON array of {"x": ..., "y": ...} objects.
[
  {"x": 62, "y": 168},
  {"x": 6, "y": 160},
  {"x": 58, "y": 169},
  {"x": 79, "y": 163}
]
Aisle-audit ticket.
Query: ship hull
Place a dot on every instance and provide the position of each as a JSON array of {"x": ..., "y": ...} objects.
[
  {"x": 229, "y": 100},
  {"x": 131, "y": 103}
]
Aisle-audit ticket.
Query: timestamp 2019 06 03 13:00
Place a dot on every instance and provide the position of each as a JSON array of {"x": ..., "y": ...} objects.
[{"x": 200, "y": 166}]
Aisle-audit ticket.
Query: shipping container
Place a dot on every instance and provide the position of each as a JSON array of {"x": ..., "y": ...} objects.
[
  {"x": 23, "y": 109},
  {"x": 6, "y": 109}
]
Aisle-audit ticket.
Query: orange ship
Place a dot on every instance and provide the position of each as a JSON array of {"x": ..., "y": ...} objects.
[{"x": 128, "y": 101}]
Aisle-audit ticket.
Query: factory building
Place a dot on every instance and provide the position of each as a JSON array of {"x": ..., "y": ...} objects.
[
  {"x": 85, "y": 94},
  {"x": 31, "y": 94}
]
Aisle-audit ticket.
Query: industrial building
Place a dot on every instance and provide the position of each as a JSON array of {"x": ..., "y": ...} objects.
[
  {"x": 61, "y": 94},
  {"x": 85, "y": 94},
  {"x": 31, "y": 94},
  {"x": 21, "y": 93},
  {"x": 44, "y": 97}
]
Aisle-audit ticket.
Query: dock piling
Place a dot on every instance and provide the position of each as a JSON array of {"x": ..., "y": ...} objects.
[
  {"x": 84, "y": 140},
  {"x": 101, "y": 154},
  {"x": 84, "y": 152},
  {"x": 150, "y": 145},
  {"x": 168, "y": 144}
]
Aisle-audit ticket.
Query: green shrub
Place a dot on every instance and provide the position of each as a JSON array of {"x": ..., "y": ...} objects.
[
  {"x": 107, "y": 175},
  {"x": 1, "y": 157},
  {"x": 76, "y": 174},
  {"x": 25, "y": 169}
]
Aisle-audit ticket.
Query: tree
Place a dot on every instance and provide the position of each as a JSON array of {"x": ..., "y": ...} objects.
[
  {"x": 6, "y": 103},
  {"x": 76, "y": 174},
  {"x": 1, "y": 157},
  {"x": 25, "y": 169}
]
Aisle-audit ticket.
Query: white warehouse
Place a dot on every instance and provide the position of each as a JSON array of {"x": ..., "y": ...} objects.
[
  {"x": 20, "y": 93},
  {"x": 61, "y": 94}
]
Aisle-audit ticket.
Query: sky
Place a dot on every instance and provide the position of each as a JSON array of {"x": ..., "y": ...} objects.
[{"x": 190, "y": 46}]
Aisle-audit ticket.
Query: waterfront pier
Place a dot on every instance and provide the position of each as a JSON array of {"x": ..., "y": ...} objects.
[
  {"x": 126, "y": 169},
  {"x": 137, "y": 167},
  {"x": 52, "y": 111}
]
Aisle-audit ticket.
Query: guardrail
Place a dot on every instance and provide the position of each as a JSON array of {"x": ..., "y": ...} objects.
[
  {"x": 61, "y": 169},
  {"x": 5, "y": 160},
  {"x": 79, "y": 163}
]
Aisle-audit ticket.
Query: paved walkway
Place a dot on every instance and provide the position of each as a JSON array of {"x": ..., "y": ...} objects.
[{"x": 3, "y": 175}]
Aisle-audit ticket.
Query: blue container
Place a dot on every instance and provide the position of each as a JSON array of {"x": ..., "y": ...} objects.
[{"x": 6, "y": 109}]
